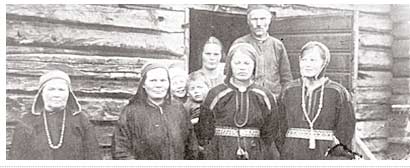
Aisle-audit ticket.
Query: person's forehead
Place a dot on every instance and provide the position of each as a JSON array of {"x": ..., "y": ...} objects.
[
  {"x": 156, "y": 72},
  {"x": 259, "y": 13},
  {"x": 56, "y": 82},
  {"x": 197, "y": 83},
  {"x": 312, "y": 52}
]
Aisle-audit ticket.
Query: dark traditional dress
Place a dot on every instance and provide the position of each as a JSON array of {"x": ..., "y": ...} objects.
[
  {"x": 30, "y": 139},
  {"x": 227, "y": 112},
  {"x": 335, "y": 119},
  {"x": 146, "y": 131},
  {"x": 272, "y": 62}
]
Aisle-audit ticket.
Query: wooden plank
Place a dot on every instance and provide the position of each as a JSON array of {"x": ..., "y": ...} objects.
[
  {"x": 373, "y": 39},
  {"x": 375, "y": 59},
  {"x": 373, "y": 22},
  {"x": 371, "y": 129},
  {"x": 401, "y": 86},
  {"x": 401, "y": 49},
  {"x": 376, "y": 145},
  {"x": 80, "y": 66},
  {"x": 371, "y": 8},
  {"x": 401, "y": 67},
  {"x": 309, "y": 24},
  {"x": 340, "y": 42},
  {"x": 153, "y": 19},
  {"x": 373, "y": 95},
  {"x": 340, "y": 62},
  {"x": 400, "y": 12},
  {"x": 400, "y": 99},
  {"x": 79, "y": 84},
  {"x": 104, "y": 135},
  {"x": 96, "y": 108},
  {"x": 82, "y": 38},
  {"x": 372, "y": 111},
  {"x": 401, "y": 30},
  {"x": 375, "y": 79}
]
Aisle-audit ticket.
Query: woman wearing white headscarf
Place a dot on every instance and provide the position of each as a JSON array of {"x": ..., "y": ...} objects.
[
  {"x": 56, "y": 129},
  {"x": 316, "y": 112}
]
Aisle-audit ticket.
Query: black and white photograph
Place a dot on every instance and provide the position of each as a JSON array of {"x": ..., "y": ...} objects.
[{"x": 190, "y": 81}]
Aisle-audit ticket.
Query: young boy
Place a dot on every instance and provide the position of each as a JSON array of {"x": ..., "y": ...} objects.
[
  {"x": 179, "y": 79},
  {"x": 197, "y": 91}
]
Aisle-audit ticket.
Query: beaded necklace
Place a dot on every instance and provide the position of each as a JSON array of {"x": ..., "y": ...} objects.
[
  {"x": 312, "y": 143},
  {"x": 50, "y": 143}
]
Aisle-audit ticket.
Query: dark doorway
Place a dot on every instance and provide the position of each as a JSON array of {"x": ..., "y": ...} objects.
[{"x": 203, "y": 24}]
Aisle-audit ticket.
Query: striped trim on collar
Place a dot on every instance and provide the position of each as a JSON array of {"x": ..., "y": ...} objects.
[
  {"x": 265, "y": 97},
  {"x": 219, "y": 96}
]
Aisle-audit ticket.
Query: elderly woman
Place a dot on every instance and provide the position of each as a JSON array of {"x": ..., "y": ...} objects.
[
  {"x": 239, "y": 118},
  {"x": 316, "y": 111},
  {"x": 56, "y": 128},
  {"x": 212, "y": 52},
  {"x": 152, "y": 126}
]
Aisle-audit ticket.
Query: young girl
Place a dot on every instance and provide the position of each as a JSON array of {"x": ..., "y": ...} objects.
[
  {"x": 238, "y": 119},
  {"x": 316, "y": 112}
]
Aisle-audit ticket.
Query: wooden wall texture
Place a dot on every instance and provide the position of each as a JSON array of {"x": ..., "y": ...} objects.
[
  {"x": 399, "y": 126},
  {"x": 103, "y": 47}
]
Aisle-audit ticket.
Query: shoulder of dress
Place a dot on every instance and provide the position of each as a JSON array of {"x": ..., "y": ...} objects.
[
  {"x": 215, "y": 94},
  {"x": 265, "y": 94},
  {"x": 340, "y": 89}
]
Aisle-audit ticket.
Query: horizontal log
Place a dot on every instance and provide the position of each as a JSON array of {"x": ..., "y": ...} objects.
[
  {"x": 78, "y": 84},
  {"x": 376, "y": 145},
  {"x": 80, "y": 66},
  {"x": 401, "y": 30},
  {"x": 375, "y": 22},
  {"x": 401, "y": 67},
  {"x": 372, "y": 111},
  {"x": 376, "y": 59},
  {"x": 373, "y": 95},
  {"x": 371, "y": 129},
  {"x": 312, "y": 24},
  {"x": 340, "y": 42},
  {"x": 104, "y": 135},
  {"x": 400, "y": 99},
  {"x": 31, "y": 33},
  {"x": 401, "y": 86},
  {"x": 371, "y": 8},
  {"x": 400, "y": 12},
  {"x": 153, "y": 19},
  {"x": 97, "y": 108},
  {"x": 373, "y": 39},
  {"x": 375, "y": 79},
  {"x": 401, "y": 49},
  {"x": 340, "y": 62}
]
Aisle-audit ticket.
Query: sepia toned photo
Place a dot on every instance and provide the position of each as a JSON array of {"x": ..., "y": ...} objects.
[{"x": 207, "y": 81}]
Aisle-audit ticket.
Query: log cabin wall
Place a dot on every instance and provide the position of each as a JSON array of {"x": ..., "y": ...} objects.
[
  {"x": 399, "y": 126},
  {"x": 103, "y": 47}
]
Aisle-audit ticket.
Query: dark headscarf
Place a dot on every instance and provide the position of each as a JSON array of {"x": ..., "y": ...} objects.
[
  {"x": 141, "y": 95},
  {"x": 244, "y": 48},
  {"x": 323, "y": 50}
]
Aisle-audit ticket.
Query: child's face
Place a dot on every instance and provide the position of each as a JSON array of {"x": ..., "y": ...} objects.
[
  {"x": 197, "y": 90},
  {"x": 178, "y": 84}
]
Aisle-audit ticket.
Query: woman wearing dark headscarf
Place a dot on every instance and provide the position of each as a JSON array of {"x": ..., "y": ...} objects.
[
  {"x": 239, "y": 118},
  {"x": 152, "y": 126},
  {"x": 316, "y": 111},
  {"x": 56, "y": 128}
]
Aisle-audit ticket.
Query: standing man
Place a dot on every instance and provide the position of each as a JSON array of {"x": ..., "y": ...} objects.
[{"x": 272, "y": 63}]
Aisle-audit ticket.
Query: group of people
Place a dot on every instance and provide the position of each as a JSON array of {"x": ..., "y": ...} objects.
[{"x": 250, "y": 108}]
